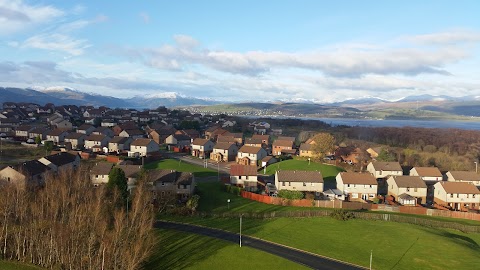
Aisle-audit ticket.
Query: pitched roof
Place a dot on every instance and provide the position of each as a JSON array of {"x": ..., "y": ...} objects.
[
  {"x": 130, "y": 170},
  {"x": 55, "y": 132},
  {"x": 102, "y": 168},
  {"x": 428, "y": 171},
  {"x": 459, "y": 188},
  {"x": 284, "y": 143},
  {"x": 253, "y": 141},
  {"x": 141, "y": 142},
  {"x": 409, "y": 181},
  {"x": 74, "y": 136},
  {"x": 182, "y": 137},
  {"x": 465, "y": 175},
  {"x": 237, "y": 170},
  {"x": 118, "y": 139},
  {"x": 31, "y": 168},
  {"x": 200, "y": 141},
  {"x": 300, "y": 176},
  {"x": 223, "y": 145},
  {"x": 61, "y": 158},
  {"x": 133, "y": 132},
  {"x": 261, "y": 137},
  {"x": 305, "y": 147},
  {"x": 405, "y": 196},
  {"x": 358, "y": 178},
  {"x": 267, "y": 158},
  {"x": 386, "y": 166},
  {"x": 23, "y": 128},
  {"x": 250, "y": 149},
  {"x": 283, "y": 138},
  {"x": 225, "y": 139},
  {"x": 170, "y": 176},
  {"x": 95, "y": 137}
]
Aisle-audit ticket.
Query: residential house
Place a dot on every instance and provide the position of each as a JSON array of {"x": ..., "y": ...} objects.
[
  {"x": 226, "y": 139},
  {"x": 457, "y": 195},
  {"x": 224, "y": 152},
  {"x": 144, "y": 147},
  {"x": 250, "y": 155},
  {"x": 334, "y": 194},
  {"x": 305, "y": 181},
  {"x": 265, "y": 139},
  {"x": 131, "y": 173},
  {"x": 117, "y": 129},
  {"x": 430, "y": 175},
  {"x": 108, "y": 123},
  {"x": 192, "y": 133},
  {"x": 159, "y": 135},
  {"x": 229, "y": 123},
  {"x": 280, "y": 145},
  {"x": 99, "y": 173},
  {"x": 202, "y": 148},
  {"x": 96, "y": 142},
  {"x": 23, "y": 131},
  {"x": 85, "y": 129},
  {"x": 381, "y": 169},
  {"x": 173, "y": 185},
  {"x": 244, "y": 176},
  {"x": 268, "y": 160},
  {"x": 119, "y": 144},
  {"x": 103, "y": 131},
  {"x": 56, "y": 136},
  {"x": 38, "y": 132},
  {"x": 213, "y": 132},
  {"x": 357, "y": 186},
  {"x": 464, "y": 176},
  {"x": 29, "y": 174},
  {"x": 76, "y": 140},
  {"x": 374, "y": 152},
  {"x": 61, "y": 161},
  {"x": 255, "y": 142},
  {"x": 180, "y": 141},
  {"x": 407, "y": 190},
  {"x": 306, "y": 150},
  {"x": 133, "y": 133}
]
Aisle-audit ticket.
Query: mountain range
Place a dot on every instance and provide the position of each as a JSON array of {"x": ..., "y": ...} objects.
[{"x": 467, "y": 105}]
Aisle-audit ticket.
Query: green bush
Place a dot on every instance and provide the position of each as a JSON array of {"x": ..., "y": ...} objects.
[
  {"x": 290, "y": 194},
  {"x": 341, "y": 214}
]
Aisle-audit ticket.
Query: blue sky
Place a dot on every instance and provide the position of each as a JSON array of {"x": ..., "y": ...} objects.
[{"x": 322, "y": 51}]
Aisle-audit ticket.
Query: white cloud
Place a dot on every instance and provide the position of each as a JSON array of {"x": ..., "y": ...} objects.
[
  {"x": 16, "y": 15},
  {"x": 447, "y": 38},
  {"x": 57, "y": 42}
]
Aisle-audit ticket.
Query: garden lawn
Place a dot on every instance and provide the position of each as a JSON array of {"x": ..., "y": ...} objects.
[
  {"x": 394, "y": 245},
  {"x": 329, "y": 172},
  {"x": 180, "y": 250},
  {"x": 180, "y": 166}
]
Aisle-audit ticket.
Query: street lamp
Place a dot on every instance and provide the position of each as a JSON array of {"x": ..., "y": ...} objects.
[
  {"x": 228, "y": 203},
  {"x": 476, "y": 167},
  {"x": 308, "y": 161}
]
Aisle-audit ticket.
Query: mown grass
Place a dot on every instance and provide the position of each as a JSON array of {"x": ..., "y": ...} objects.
[
  {"x": 329, "y": 172},
  {"x": 180, "y": 166},
  {"x": 180, "y": 250},
  {"x": 394, "y": 245}
]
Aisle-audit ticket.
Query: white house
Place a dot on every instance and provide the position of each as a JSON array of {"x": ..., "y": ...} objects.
[
  {"x": 119, "y": 144},
  {"x": 224, "y": 151},
  {"x": 413, "y": 186},
  {"x": 464, "y": 176},
  {"x": 96, "y": 141},
  {"x": 99, "y": 173},
  {"x": 305, "y": 181},
  {"x": 428, "y": 174},
  {"x": 457, "y": 195},
  {"x": 202, "y": 148},
  {"x": 244, "y": 176},
  {"x": 250, "y": 155},
  {"x": 77, "y": 140},
  {"x": 381, "y": 169},
  {"x": 144, "y": 147},
  {"x": 357, "y": 186}
]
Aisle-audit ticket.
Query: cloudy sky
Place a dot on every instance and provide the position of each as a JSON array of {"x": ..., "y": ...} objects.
[{"x": 243, "y": 50}]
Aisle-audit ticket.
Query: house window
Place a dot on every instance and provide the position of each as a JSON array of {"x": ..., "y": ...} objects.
[
  {"x": 370, "y": 186},
  {"x": 304, "y": 184},
  {"x": 458, "y": 195},
  {"x": 283, "y": 184},
  {"x": 451, "y": 195},
  {"x": 415, "y": 189},
  {"x": 348, "y": 185},
  {"x": 289, "y": 184},
  {"x": 473, "y": 196},
  {"x": 163, "y": 183}
]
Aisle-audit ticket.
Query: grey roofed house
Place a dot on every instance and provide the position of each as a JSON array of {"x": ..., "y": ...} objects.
[
  {"x": 120, "y": 140},
  {"x": 409, "y": 181},
  {"x": 74, "y": 136},
  {"x": 182, "y": 137},
  {"x": 62, "y": 158},
  {"x": 131, "y": 171},
  {"x": 170, "y": 176},
  {"x": 386, "y": 166},
  {"x": 101, "y": 168},
  {"x": 31, "y": 167},
  {"x": 300, "y": 176},
  {"x": 223, "y": 145},
  {"x": 305, "y": 147},
  {"x": 95, "y": 137}
]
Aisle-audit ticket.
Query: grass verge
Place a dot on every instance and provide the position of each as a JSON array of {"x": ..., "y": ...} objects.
[{"x": 173, "y": 164}]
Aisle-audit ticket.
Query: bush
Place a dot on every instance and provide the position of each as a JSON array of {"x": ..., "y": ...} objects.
[
  {"x": 341, "y": 214},
  {"x": 290, "y": 194}
]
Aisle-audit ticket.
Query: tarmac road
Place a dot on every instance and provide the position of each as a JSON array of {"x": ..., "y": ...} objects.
[{"x": 307, "y": 259}]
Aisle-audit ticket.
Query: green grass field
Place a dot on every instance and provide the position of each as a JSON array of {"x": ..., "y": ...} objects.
[
  {"x": 329, "y": 172},
  {"x": 7, "y": 265},
  {"x": 179, "y": 250},
  {"x": 394, "y": 245},
  {"x": 180, "y": 166}
]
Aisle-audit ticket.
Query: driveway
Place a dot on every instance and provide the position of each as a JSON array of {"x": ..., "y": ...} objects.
[{"x": 305, "y": 258}]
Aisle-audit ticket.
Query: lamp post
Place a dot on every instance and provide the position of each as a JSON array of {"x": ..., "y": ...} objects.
[
  {"x": 308, "y": 161},
  {"x": 476, "y": 167},
  {"x": 228, "y": 204},
  {"x": 218, "y": 170},
  {"x": 371, "y": 257}
]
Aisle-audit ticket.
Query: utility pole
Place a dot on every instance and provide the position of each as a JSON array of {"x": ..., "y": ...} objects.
[{"x": 241, "y": 230}]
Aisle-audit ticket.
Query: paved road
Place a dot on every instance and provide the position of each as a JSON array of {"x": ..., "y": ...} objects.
[{"x": 307, "y": 259}]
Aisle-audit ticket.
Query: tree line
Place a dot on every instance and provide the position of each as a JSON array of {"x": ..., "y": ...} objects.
[{"x": 68, "y": 224}]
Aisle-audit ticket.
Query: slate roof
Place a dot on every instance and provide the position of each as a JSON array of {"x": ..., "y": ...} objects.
[
  {"x": 249, "y": 149},
  {"x": 120, "y": 140},
  {"x": 55, "y": 132},
  {"x": 74, "y": 136},
  {"x": 134, "y": 132},
  {"x": 386, "y": 166},
  {"x": 95, "y": 137},
  {"x": 237, "y": 170},
  {"x": 61, "y": 158},
  {"x": 465, "y": 175},
  {"x": 406, "y": 181},
  {"x": 31, "y": 168},
  {"x": 358, "y": 178},
  {"x": 131, "y": 171},
  {"x": 200, "y": 141},
  {"x": 223, "y": 145},
  {"x": 300, "y": 176},
  {"x": 428, "y": 171},
  {"x": 102, "y": 168},
  {"x": 182, "y": 137},
  {"x": 459, "y": 188},
  {"x": 170, "y": 176}
]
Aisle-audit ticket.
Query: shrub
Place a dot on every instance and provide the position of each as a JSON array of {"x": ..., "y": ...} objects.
[
  {"x": 290, "y": 194},
  {"x": 341, "y": 214}
]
